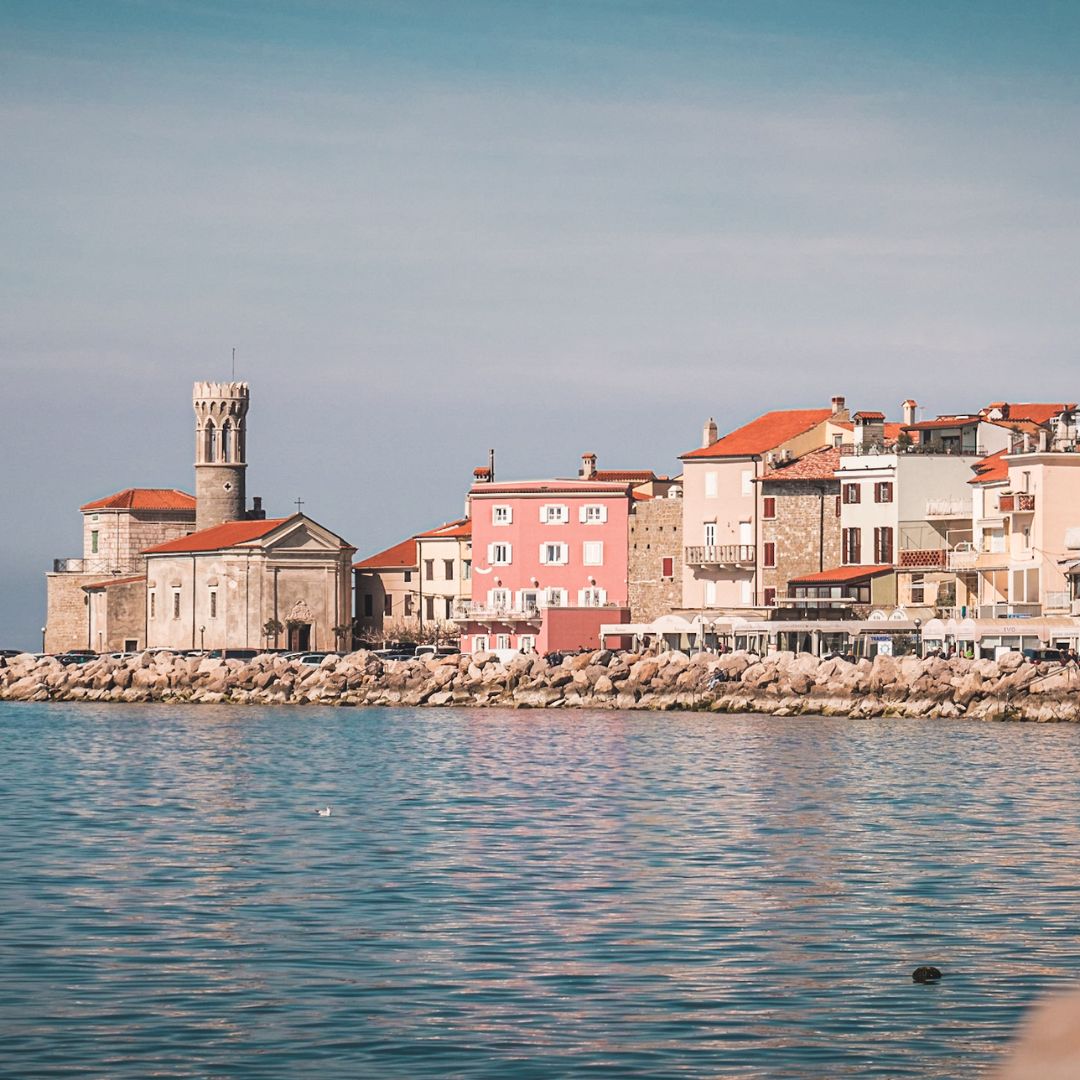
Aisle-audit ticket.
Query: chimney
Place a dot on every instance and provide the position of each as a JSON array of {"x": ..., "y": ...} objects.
[
  {"x": 839, "y": 405},
  {"x": 708, "y": 434},
  {"x": 1044, "y": 440},
  {"x": 909, "y": 408},
  {"x": 256, "y": 513},
  {"x": 588, "y": 466},
  {"x": 870, "y": 430}
]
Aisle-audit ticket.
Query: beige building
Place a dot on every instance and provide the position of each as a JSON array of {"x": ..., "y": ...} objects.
[
  {"x": 416, "y": 586},
  {"x": 94, "y": 601},
  {"x": 220, "y": 588}
]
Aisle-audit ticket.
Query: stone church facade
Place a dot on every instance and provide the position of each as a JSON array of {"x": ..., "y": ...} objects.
[{"x": 166, "y": 569}]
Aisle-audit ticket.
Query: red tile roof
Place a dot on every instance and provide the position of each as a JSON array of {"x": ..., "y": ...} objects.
[
  {"x": 817, "y": 465},
  {"x": 115, "y": 581},
  {"x": 548, "y": 487},
  {"x": 633, "y": 475},
  {"x": 869, "y": 416},
  {"x": 144, "y": 499},
  {"x": 399, "y": 557},
  {"x": 991, "y": 470},
  {"x": 460, "y": 528},
  {"x": 227, "y": 535},
  {"x": 944, "y": 422},
  {"x": 765, "y": 433},
  {"x": 1036, "y": 411},
  {"x": 841, "y": 575}
]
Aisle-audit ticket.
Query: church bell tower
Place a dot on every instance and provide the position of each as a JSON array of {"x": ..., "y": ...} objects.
[{"x": 220, "y": 451}]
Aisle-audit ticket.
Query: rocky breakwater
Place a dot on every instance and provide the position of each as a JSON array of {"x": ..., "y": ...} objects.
[{"x": 783, "y": 684}]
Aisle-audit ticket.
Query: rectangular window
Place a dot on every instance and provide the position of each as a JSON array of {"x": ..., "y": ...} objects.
[
  {"x": 448, "y": 569},
  {"x": 466, "y": 570},
  {"x": 555, "y": 597},
  {"x": 408, "y": 605},
  {"x": 667, "y": 567},
  {"x": 369, "y": 605},
  {"x": 529, "y": 599},
  {"x": 94, "y": 541},
  {"x": 429, "y": 607},
  {"x": 838, "y": 505},
  {"x": 153, "y": 605},
  {"x": 712, "y": 485},
  {"x": 176, "y": 604},
  {"x": 448, "y": 606},
  {"x": 770, "y": 598},
  {"x": 883, "y": 545},
  {"x": 592, "y": 553},
  {"x": 554, "y": 554},
  {"x": 591, "y": 597},
  {"x": 527, "y": 643},
  {"x": 852, "y": 545},
  {"x": 502, "y": 641},
  {"x": 852, "y": 494},
  {"x": 768, "y": 507},
  {"x": 883, "y": 491},
  {"x": 710, "y": 534},
  {"x": 768, "y": 557},
  {"x": 918, "y": 588},
  {"x": 407, "y": 576},
  {"x": 500, "y": 554},
  {"x": 593, "y": 513},
  {"x": 710, "y": 593},
  {"x": 213, "y": 603},
  {"x": 748, "y": 482},
  {"x": 499, "y": 599},
  {"x": 429, "y": 569},
  {"x": 554, "y": 513},
  {"x": 480, "y": 643},
  {"x": 501, "y": 515},
  {"x": 388, "y": 605}
]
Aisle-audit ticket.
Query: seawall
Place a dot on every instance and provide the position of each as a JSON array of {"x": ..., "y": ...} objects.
[{"x": 782, "y": 684}]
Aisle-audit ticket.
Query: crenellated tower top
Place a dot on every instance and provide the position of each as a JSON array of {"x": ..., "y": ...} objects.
[{"x": 220, "y": 451}]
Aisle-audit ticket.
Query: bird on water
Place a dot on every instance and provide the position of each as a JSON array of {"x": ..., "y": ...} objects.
[{"x": 324, "y": 812}]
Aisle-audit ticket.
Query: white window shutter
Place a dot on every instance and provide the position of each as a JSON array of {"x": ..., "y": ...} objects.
[
  {"x": 543, "y": 554},
  {"x": 544, "y": 514},
  {"x": 603, "y": 512},
  {"x": 491, "y": 554},
  {"x": 509, "y": 553},
  {"x": 564, "y": 553},
  {"x": 583, "y": 513}
]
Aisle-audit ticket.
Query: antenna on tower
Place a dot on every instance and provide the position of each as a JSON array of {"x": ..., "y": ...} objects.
[{"x": 234, "y": 363}]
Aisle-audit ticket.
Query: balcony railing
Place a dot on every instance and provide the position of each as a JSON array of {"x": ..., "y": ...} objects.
[
  {"x": 509, "y": 613},
  {"x": 1016, "y": 504},
  {"x": 948, "y": 508},
  {"x": 98, "y": 565},
  {"x": 1057, "y": 601},
  {"x": 924, "y": 559},
  {"x": 963, "y": 558},
  {"x": 855, "y": 450},
  {"x": 721, "y": 555},
  {"x": 1006, "y": 610}
]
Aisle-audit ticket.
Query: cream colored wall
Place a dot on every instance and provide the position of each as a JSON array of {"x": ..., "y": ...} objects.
[{"x": 454, "y": 589}]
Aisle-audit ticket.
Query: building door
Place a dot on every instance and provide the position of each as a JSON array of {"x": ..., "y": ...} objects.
[{"x": 299, "y": 637}]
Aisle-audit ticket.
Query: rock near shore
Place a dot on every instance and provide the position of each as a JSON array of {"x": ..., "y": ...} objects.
[{"x": 782, "y": 684}]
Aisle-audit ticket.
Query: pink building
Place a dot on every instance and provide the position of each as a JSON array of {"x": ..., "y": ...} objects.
[{"x": 550, "y": 561}]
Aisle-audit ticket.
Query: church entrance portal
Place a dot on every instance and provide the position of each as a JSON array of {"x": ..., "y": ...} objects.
[{"x": 299, "y": 637}]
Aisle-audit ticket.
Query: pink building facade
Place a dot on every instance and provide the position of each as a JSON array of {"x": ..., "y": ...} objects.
[{"x": 540, "y": 545}]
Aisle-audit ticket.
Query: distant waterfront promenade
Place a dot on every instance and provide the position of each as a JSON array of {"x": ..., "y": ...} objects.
[{"x": 781, "y": 684}]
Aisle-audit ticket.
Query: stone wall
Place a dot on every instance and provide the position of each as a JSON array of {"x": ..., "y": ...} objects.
[
  {"x": 805, "y": 514},
  {"x": 655, "y": 533},
  {"x": 781, "y": 684},
  {"x": 67, "y": 623}
]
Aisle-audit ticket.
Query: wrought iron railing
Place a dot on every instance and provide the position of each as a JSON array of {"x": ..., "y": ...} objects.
[{"x": 99, "y": 565}]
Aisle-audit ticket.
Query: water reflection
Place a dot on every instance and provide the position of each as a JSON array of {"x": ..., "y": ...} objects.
[{"x": 542, "y": 894}]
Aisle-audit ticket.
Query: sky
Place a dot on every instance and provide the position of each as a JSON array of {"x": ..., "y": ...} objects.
[{"x": 433, "y": 228}]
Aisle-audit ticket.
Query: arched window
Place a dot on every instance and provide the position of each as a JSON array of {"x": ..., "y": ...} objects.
[
  {"x": 211, "y": 441},
  {"x": 226, "y": 441}
]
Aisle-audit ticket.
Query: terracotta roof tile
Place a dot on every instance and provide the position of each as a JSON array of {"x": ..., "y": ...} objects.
[
  {"x": 992, "y": 469},
  {"x": 944, "y": 422},
  {"x": 841, "y": 575},
  {"x": 399, "y": 557},
  {"x": 767, "y": 432},
  {"x": 115, "y": 581},
  {"x": 1038, "y": 412},
  {"x": 144, "y": 499},
  {"x": 817, "y": 465},
  {"x": 638, "y": 475},
  {"x": 461, "y": 528},
  {"x": 545, "y": 487},
  {"x": 869, "y": 416},
  {"x": 227, "y": 535}
]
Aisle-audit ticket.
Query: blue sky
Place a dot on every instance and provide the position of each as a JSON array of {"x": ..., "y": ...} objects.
[{"x": 431, "y": 228}]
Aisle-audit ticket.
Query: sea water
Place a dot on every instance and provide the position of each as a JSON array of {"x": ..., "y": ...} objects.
[{"x": 526, "y": 894}]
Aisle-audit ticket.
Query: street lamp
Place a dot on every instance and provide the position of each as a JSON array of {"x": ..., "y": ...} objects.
[
  {"x": 918, "y": 638},
  {"x": 43, "y": 638},
  {"x": 202, "y": 639}
]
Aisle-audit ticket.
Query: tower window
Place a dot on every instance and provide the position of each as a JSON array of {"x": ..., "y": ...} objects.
[
  {"x": 94, "y": 542},
  {"x": 211, "y": 441},
  {"x": 226, "y": 442}
]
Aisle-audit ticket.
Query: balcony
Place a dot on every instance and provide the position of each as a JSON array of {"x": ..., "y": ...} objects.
[
  {"x": 100, "y": 565},
  {"x": 923, "y": 559},
  {"x": 484, "y": 613},
  {"x": 1006, "y": 610},
  {"x": 722, "y": 555},
  {"x": 963, "y": 558},
  {"x": 1016, "y": 504},
  {"x": 1057, "y": 601},
  {"x": 948, "y": 508}
]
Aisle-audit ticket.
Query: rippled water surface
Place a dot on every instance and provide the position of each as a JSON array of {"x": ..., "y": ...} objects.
[{"x": 528, "y": 894}]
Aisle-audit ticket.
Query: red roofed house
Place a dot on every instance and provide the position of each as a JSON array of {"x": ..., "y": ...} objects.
[
  {"x": 218, "y": 588},
  {"x": 722, "y": 502},
  {"x": 115, "y": 530},
  {"x": 414, "y": 587},
  {"x": 550, "y": 564}
]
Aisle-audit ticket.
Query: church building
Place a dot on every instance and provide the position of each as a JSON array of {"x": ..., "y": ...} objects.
[{"x": 205, "y": 572}]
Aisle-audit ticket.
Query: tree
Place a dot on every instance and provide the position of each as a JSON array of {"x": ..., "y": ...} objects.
[{"x": 271, "y": 629}]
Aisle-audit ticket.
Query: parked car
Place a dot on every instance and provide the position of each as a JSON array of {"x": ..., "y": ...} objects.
[
  {"x": 8, "y": 653},
  {"x": 314, "y": 659},
  {"x": 393, "y": 654},
  {"x": 1045, "y": 656},
  {"x": 437, "y": 650},
  {"x": 76, "y": 657},
  {"x": 232, "y": 654}
]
